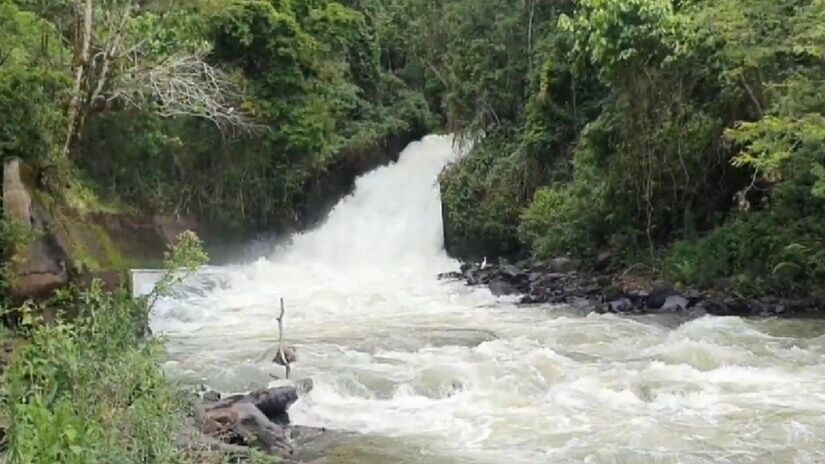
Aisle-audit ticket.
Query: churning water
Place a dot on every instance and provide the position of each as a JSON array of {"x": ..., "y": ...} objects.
[{"x": 435, "y": 372}]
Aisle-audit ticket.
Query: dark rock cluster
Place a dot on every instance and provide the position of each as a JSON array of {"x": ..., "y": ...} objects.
[
  {"x": 557, "y": 281},
  {"x": 258, "y": 419}
]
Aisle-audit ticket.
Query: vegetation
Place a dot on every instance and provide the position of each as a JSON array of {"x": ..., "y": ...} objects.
[
  {"x": 90, "y": 388},
  {"x": 227, "y": 109},
  {"x": 685, "y": 135},
  {"x": 13, "y": 236}
]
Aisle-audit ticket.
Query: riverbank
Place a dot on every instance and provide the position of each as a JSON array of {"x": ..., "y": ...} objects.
[{"x": 564, "y": 281}]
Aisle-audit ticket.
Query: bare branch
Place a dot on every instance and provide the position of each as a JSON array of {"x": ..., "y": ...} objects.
[
  {"x": 283, "y": 357},
  {"x": 184, "y": 84},
  {"x": 108, "y": 54}
]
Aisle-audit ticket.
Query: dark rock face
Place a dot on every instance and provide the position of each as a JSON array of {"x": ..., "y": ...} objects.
[
  {"x": 712, "y": 306},
  {"x": 105, "y": 242},
  {"x": 43, "y": 265},
  {"x": 612, "y": 293},
  {"x": 604, "y": 260},
  {"x": 322, "y": 193}
]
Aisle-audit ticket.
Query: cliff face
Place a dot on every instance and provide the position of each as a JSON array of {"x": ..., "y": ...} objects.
[
  {"x": 41, "y": 266},
  {"x": 71, "y": 246}
]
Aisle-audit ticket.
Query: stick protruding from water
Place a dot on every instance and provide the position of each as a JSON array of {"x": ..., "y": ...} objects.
[{"x": 281, "y": 341}]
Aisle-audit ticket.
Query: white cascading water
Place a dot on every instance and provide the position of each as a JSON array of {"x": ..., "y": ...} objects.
[{"x": 435, "y": 372}]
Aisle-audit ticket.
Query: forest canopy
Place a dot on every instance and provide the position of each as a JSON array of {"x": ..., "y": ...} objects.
[{"x": 684, "y": 134}]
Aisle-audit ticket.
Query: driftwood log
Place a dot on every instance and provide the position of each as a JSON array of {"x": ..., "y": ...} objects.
[{"x": 256, "y": 419}]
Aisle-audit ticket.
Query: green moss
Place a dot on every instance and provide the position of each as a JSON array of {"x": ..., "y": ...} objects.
[{"x": 111, "y": 255}]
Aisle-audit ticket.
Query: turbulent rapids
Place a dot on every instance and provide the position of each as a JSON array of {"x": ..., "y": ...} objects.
[{"x": 435, "y": 372}]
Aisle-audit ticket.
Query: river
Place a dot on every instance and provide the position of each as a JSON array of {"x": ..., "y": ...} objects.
[{"x": 425, "y": 371}]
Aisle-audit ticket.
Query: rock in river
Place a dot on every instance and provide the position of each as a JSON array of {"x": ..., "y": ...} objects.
[{"x": 257, "y": 419}]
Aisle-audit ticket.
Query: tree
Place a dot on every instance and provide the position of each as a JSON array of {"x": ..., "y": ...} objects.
[{"x": 130, "y": 54}]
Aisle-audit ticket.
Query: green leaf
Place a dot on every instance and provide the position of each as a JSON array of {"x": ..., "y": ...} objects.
[{"x": 70, "y": 433}]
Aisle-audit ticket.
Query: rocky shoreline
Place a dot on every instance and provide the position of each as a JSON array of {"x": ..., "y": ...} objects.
[{"x": 559, "y": 281}]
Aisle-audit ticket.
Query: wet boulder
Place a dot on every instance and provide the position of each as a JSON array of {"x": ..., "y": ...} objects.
[
  {"x": 548, "y": 280},
  {"x": 273, "y": 402},
  {"x": 638, "y": 297},
  {"x": 621, "y": 305},
  {"x": 290, "y": 353},
  {"x": 450, "y": 276},
  {"x": 657, "y": 297},
  {"x": 738, "y": 306},
  {"x": 502, "y": 288},
  {"x": 612, "y": 293},
  {"x": 513, "y": 274},
  {"x": 562, "y": 265},
  {"x": 211, "y": 396},
  {"x": 675, "y": 303},
  {"x": 715, "y": 307}
]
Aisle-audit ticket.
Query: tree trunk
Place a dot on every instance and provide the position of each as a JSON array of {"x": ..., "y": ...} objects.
[{"x": 82, "y": 61}]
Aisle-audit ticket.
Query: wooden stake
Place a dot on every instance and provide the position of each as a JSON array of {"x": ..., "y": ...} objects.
[{"x": 281, "y": 340}]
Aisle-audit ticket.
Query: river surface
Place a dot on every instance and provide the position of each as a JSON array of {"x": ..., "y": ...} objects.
[{"x": 423, "y": 371}]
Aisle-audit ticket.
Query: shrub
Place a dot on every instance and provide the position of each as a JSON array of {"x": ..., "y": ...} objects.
[
  {"x": 760, "y": 251},
  {"x": 483, "y": 195},
  {"x": 91, "y": 389},
  {"x": 556, "y": 222}
]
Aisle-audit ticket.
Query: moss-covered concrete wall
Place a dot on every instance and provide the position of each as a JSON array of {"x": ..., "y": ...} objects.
[{"x": 77, "y": 246}]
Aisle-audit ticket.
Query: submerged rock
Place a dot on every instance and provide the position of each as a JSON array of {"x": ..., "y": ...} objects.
[{"x": 211, "y": 396}]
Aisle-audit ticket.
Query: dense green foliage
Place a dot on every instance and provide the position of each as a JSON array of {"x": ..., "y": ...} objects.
[
  {"x": 686, "y": 134},
  {"x": 32, "y": 123},
  {"x": 312, "y": 81},
  {"x": 91, "y": 389}
]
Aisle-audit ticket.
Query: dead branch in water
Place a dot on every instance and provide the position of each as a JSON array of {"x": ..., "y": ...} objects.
[{"x": 281, "y": 340}]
